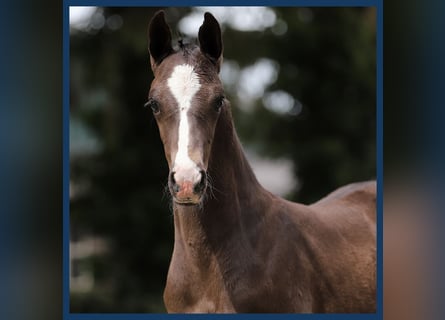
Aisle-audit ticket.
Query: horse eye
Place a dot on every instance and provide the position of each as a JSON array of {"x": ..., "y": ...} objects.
[
  {"x": 219, "y": 103},
  {"x": 153, "y": 104}
]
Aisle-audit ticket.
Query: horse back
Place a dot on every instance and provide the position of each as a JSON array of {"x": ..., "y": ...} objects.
[{"x": 359, "y": 196}]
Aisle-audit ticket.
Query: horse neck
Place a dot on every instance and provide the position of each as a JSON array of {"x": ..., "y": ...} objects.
[
  {"x": 229, "y": 208},
  {"x": 230, "y": 174}
]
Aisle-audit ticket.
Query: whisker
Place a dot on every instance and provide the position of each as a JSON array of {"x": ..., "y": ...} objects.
[
  {"x": 209, "y": 193},
  {"x": 166, "y": 195},
  {"x": 212, "y": 187}
]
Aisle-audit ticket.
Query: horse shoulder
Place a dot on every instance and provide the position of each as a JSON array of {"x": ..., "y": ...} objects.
[{"x": 340, "y": 234}]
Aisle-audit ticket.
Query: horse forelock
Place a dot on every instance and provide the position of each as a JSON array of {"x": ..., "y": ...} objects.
[{"x": 192, "y": 55}]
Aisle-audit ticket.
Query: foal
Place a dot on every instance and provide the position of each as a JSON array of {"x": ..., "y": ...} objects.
[{"x": 239, "y": 248}]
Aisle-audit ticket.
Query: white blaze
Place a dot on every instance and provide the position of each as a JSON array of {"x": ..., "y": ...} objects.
[{"x": 184, "y": 84}]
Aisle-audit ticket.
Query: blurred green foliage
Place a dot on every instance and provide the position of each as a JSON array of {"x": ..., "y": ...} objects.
[{"x": 327, "y": 62}]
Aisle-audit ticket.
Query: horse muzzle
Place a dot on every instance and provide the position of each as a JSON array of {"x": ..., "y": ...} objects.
[{"x": 187, "y": 188}]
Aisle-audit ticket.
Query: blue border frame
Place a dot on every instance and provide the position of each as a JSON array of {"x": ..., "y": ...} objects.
[
  {"x": 66, "y": 162},
  {"x": 379, "y": 160},
  {"x": 379, "y": 156}
]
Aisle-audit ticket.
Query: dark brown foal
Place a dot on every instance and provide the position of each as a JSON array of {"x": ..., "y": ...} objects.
[{"x": 239, "y": 248}]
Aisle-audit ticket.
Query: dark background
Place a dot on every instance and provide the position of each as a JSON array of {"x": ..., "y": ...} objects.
[
  {"x": 325, "y": 58},
  {"x": 31, "y": 158}
]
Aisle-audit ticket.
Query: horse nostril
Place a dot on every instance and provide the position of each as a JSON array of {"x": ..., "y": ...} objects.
[
  {"x": 172, "y": 177},
  {"x": 173, "y": 183},
  {"x": 202, "y": 183}
]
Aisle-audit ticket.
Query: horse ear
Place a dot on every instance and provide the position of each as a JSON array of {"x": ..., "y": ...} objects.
[
  {"x": 210, "y": 40},
  {"x": 159, "y": 39}
]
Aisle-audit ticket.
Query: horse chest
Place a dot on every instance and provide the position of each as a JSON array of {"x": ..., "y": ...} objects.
[
  {"x": 193, "y": 296},
  {"x": 206, "y": 304}
]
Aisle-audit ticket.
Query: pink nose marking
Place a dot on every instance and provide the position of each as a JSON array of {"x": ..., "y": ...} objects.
[{"x": 185, "y": 190}]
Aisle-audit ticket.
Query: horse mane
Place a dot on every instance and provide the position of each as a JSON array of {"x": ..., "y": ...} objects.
[
  {"x": 181, "y": 43},
  {"x": 186, "y": 47}
]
